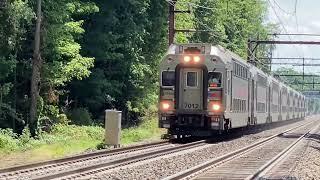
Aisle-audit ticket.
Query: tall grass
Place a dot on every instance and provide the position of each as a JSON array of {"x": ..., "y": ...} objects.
[
  {"x": 61, "y": 134},
  {"x": 69, "y": 139}
]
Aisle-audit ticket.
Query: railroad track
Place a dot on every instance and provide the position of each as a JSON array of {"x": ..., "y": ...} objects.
[
  {"x": 250, "y": 162},
  {"x": 33, "y": 168},
  {"x": 62, "y": 168},
  {"x": 278, "y": 168}
]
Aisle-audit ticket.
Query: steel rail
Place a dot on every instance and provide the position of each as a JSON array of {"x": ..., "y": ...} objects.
[
  {"x": 225, "y": 158},
  {"x": 92, "y": 169},
  {"x": 282, "y": 155},
  {"x": 83, "y": 157}
]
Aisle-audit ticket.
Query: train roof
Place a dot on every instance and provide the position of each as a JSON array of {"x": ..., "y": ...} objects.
[{"x": 226, "y": 56}]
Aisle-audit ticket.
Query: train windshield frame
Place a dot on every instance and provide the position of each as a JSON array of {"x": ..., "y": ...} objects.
[
  {"x": 214, "y": 79},
  {"x": 192, "y": 79},
  {"x": 168, "y": 78}
]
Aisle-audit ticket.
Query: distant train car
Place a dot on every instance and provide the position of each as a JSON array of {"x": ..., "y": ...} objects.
[{"x": 205, "y": 89}]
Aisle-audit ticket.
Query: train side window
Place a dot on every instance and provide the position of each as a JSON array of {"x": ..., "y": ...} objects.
[
  {"x": 214, "y": 79},
  {"x": 168, "y": 78},
  {"x": 192, "y": 79}
]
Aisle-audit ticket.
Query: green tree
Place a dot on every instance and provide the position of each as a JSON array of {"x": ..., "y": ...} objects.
[
  {"x": 127, "y": 39},
  {"x": 15, "y": 18},
  {"x": 231, "y": 23}
]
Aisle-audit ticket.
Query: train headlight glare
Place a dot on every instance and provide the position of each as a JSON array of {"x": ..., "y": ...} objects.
[
  {"x": 165, "y": 105},
  {"x": 196, "y": 59},
  {"x": 216, "y": 107},
  {"x": 186, "y": 59}
]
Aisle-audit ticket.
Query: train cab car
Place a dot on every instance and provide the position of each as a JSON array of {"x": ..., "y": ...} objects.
[
  {"x": 206, "y": 89},
  {"x": 193, "y": 84}
]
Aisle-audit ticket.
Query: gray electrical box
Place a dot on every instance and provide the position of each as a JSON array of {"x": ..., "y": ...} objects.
[{"x": 112, "y": 127}]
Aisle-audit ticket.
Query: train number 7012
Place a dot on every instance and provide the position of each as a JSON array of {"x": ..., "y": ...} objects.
[{"x": 191, "y": 106}]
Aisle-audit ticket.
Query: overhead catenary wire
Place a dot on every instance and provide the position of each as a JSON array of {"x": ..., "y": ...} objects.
[
  {"x": 213, "y": 31},
  {"x": 286, "y": 12},
  {"x": 262, "y": 65},
  {"x": 283, "y": 27},
  {"x": 282, "y": 24}
]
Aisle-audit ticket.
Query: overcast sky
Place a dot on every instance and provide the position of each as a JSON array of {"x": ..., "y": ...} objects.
[{"x": 306, "y": 19}]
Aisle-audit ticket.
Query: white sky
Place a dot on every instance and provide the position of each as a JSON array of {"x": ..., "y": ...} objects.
[{"x": 305, "y": 20}]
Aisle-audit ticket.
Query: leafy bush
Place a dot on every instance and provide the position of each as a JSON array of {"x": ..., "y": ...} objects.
[
  {"x": 80, "y": 116},
  {"x": 73, "y": 131},
  {"x": 63, "y": 134},
  {"x": 8, "y": 140}
]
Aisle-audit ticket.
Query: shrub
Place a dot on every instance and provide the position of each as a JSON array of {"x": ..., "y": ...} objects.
[
  {"x": 80, "y": 116},
  {"x": 8, "y": 140}
]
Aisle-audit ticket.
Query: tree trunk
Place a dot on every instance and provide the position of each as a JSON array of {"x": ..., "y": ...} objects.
[{"x": 35, "y": 79}]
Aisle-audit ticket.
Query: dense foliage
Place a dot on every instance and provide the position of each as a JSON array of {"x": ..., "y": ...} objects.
[{"x": 100, "y": 55}]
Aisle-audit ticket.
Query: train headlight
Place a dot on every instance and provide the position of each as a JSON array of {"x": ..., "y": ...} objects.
[
  {"x": 196, "y": 59},
  {"x": 166, "y": 105},
  {"x": 216, "y": 107},
  {"x": 186, "y": 59}
]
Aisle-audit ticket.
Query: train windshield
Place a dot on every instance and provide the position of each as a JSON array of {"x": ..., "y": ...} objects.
[
  {"x": 168, "y": 78},
  {"x": 214, "y": 79}
]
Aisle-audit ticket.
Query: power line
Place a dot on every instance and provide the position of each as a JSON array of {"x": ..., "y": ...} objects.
[
  {"x": 217, "y": 35},
  {"x": 295, "y": 15},
  {"x": 281, "y": 23},
  {"x": 292, "y": 58},
  {"x": 263, "y": 65},
  {"x": 289, "y": 13},
  {"x": 294, "y": 34}
]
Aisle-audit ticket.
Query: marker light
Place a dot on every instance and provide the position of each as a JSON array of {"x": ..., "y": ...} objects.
[
  {"x": 196, "y": 59},
  {"x": 165, "y": 106},
  {"x": 216, "y": 107},
  {"x": 186, "y": 59}
]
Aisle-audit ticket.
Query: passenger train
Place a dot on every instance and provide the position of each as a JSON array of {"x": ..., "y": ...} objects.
[{"x": 206, "y": 89}]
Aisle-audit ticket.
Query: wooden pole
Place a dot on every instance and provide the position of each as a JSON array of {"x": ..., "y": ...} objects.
[{"x": 35, "y": 79}]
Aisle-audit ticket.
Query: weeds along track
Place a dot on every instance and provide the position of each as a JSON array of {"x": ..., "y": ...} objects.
[
  {"x": 48, "y": 167},
  {"x": 250, "y": 162},
  {"x": 86, "y": 164}
]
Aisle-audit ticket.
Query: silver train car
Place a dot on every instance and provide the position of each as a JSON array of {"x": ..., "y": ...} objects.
[{"x": 206, "y": 89}]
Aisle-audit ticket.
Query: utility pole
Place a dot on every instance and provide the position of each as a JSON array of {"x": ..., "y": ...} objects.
[
  {"x": 250, "y": 51},
  {"x": 172, "y": 30},
  {"x": 171, "y": 21},
  {"x": 35, "y": 79}
]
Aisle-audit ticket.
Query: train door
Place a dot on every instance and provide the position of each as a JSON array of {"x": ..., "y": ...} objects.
[
  {"x": 253, "y": 96},
  {"x": 269, "y": 102},
  {"x": 190, "y": 91},
  {"x": 280, "y": 105}
]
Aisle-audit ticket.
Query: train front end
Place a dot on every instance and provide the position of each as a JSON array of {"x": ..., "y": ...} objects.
[{"x": 191, "y": 91}]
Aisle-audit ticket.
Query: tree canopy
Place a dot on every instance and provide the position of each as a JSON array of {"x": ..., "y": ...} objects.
[{"x": 101, "y": 55}]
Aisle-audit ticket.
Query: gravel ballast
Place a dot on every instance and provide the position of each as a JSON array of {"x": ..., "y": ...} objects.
[
  {"x": 308, "y": 164},
  {"x": 165, "y": 166}
]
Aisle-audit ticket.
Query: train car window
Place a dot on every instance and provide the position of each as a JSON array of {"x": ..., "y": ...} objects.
[
  {"x": 168, "y": 78},
  {"x": 192, "y": 79},
  {"x": 231, "y": 95},
  {"x": 214, "y": 79},
  {"x": 229, "y": 83},
  {"x": 237, "y": 70}
]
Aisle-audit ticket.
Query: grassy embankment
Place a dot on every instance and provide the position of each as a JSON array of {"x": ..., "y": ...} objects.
[{"x": 65, "y": 140}]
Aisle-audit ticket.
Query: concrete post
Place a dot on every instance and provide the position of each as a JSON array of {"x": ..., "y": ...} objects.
[{"x": 112, "y": 128}]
